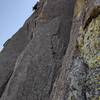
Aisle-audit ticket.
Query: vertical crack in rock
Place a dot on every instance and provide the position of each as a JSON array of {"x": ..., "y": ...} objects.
[
  {"x": 92, "y": 14},
  {"x": 2, "y": 89}
]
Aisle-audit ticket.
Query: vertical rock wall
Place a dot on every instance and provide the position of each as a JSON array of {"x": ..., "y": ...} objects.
[
  {"x": 38, "y": 65},
  {"x": 59, "y": 56}
]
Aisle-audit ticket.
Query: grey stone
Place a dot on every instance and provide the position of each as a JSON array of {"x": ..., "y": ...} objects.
[{"x": 43, "y": 60}]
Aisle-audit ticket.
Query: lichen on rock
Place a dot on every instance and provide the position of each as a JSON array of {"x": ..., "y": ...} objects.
[
  {"x": 89, "y": 44},
  {"x": 77, "y": 79}
]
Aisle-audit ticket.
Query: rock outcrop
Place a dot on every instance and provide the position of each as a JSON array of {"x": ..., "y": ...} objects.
[{"x": 55, "y": 55}]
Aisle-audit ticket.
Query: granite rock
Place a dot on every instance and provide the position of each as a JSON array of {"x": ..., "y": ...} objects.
[{"x": 58, "y": 58}]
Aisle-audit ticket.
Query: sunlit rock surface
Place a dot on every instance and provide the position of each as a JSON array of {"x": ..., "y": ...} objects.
[{"x": 55, "y": 55}]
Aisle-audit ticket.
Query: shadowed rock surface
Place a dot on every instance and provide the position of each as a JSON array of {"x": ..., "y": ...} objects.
[{"x": 55, "y": 55}]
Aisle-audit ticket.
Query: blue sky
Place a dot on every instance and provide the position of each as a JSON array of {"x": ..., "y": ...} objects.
[{"x": 13, "y": 14}]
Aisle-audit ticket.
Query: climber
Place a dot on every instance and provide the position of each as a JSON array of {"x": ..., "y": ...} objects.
[{"x": 36, "y": 6}]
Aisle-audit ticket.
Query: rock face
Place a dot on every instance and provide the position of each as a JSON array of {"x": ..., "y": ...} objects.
[{"x": 55, "y": 55}]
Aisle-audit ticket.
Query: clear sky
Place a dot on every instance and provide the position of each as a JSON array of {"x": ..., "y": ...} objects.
[{"x": 13, "y": 14}]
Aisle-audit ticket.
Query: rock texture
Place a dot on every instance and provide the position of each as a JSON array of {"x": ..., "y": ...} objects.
[{"x": 55, "y": 55}]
